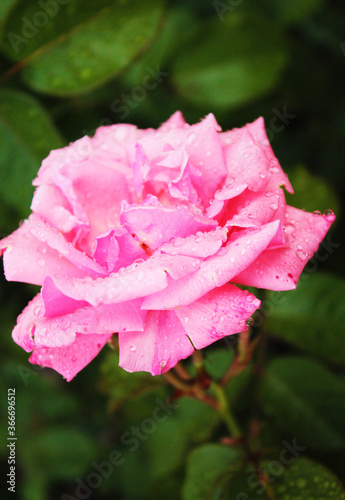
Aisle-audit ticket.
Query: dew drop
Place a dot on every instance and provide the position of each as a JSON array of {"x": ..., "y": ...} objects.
[
  {"x": 132, "y": 348},
  {"x": 329, "y": 212},
  {"x": 37, "y": 311},
  {"x": 289, "y": 228},
  {"x": 301, "y": 254},
  {"x": 317, "y": 212},
  {"x": 249, "y": 322}
]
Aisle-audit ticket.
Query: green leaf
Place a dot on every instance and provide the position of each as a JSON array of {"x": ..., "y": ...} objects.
[
  {"x": 83, "y": 45},
  {"x": 292, "y": 11},
  {"x": 311, "y": 192},
  {"x": 217, "y": 361},
  {"x": 231, "y": 63},
  {"x": 303, "y": 480},
  {"x": 191, "y": 422},
  {"x": 306, "y": 479},
  {"x": 177, "y": 20},
  {"x": 26, "y": 137},
  {"x": 5, "y": 6},
  {"x": 312, "y": 317},
  {"x": 59, "y": 452},
  {"x": 307, "y": 401},
  {"x": 208, "y": 469}
]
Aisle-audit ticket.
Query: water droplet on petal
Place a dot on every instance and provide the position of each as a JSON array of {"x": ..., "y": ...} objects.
[
  {"x": 132, "y": 348},
  {"x": 249, "y": 321},
  {"x": 329, "y": 212},
  {"x": 301, "y": 254},
  {"x": 37, "y": 311},
  {"x": 289, "y": 228}
]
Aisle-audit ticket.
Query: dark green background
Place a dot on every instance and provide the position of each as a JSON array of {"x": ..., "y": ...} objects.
[{"x": 67, "y": 69}]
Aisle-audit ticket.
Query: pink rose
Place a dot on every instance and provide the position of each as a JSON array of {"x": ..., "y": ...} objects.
[{"x": 139, "y": 232}]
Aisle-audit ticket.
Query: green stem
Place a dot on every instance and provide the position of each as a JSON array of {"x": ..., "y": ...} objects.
[{"x": 225, "y": 412}]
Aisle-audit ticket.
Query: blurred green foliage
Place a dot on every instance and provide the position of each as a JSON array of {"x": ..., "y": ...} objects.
[{"x": 70, "y": 66}]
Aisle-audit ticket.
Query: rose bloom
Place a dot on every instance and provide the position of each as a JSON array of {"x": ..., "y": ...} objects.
[{"x": 144, "y": 234}]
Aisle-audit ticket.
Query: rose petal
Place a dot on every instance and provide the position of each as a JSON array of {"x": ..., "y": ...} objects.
[
  {"x": 46, "y": 234},
  {"x": 130, "y": 283},
  {"x": 35, "y": 330},
  {"x": 162, "y": 344},
  {"x": 68, "y": 361},
  {"x": 198, "y": 245},
  {"x": 155, "y": 225},
  {"x": 222, "y": 311},
  {"x": 29, "y": 259},
  {"x": 279, "y": 269},
  {"x": 216, "y": 270}
]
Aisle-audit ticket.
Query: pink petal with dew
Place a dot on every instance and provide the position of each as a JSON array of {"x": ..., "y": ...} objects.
[
  {"x": 68, "y": 361},
  {"x": 163, "y": 343},
  {"x": 252, "y": 209},
  {"x": 52, "y": 206},
  {"x": 129, "y": 249},
  {"x": 203, "y": 147},
  {"x": 35, "y": 330},
  {"x": 107, "y": 250},
  {"x": 55, "y": 302},
  {"x": 111, "y": 140},
  {"x": 129, "y": 283},
  {"x": 23, "y": 332},
  {"x": 58, "y": 159},
  {"x": 279, "y": 269},
  {"x": 155, "y": 225},
  {"x": 100, "y": 190},
  {"x": 250, "y": 159},
  {"x": 206, "y": 157},
  {"x": 54, "y": 239},
  {"x": 29, "y": 259},
  {"x": 216, "y": 270},
  {"x": 222, "y": 311},
  {"x": 178, "y": 266},
  {"x": 198, "y": 245},
  {"x": 176, "y": 121}
]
